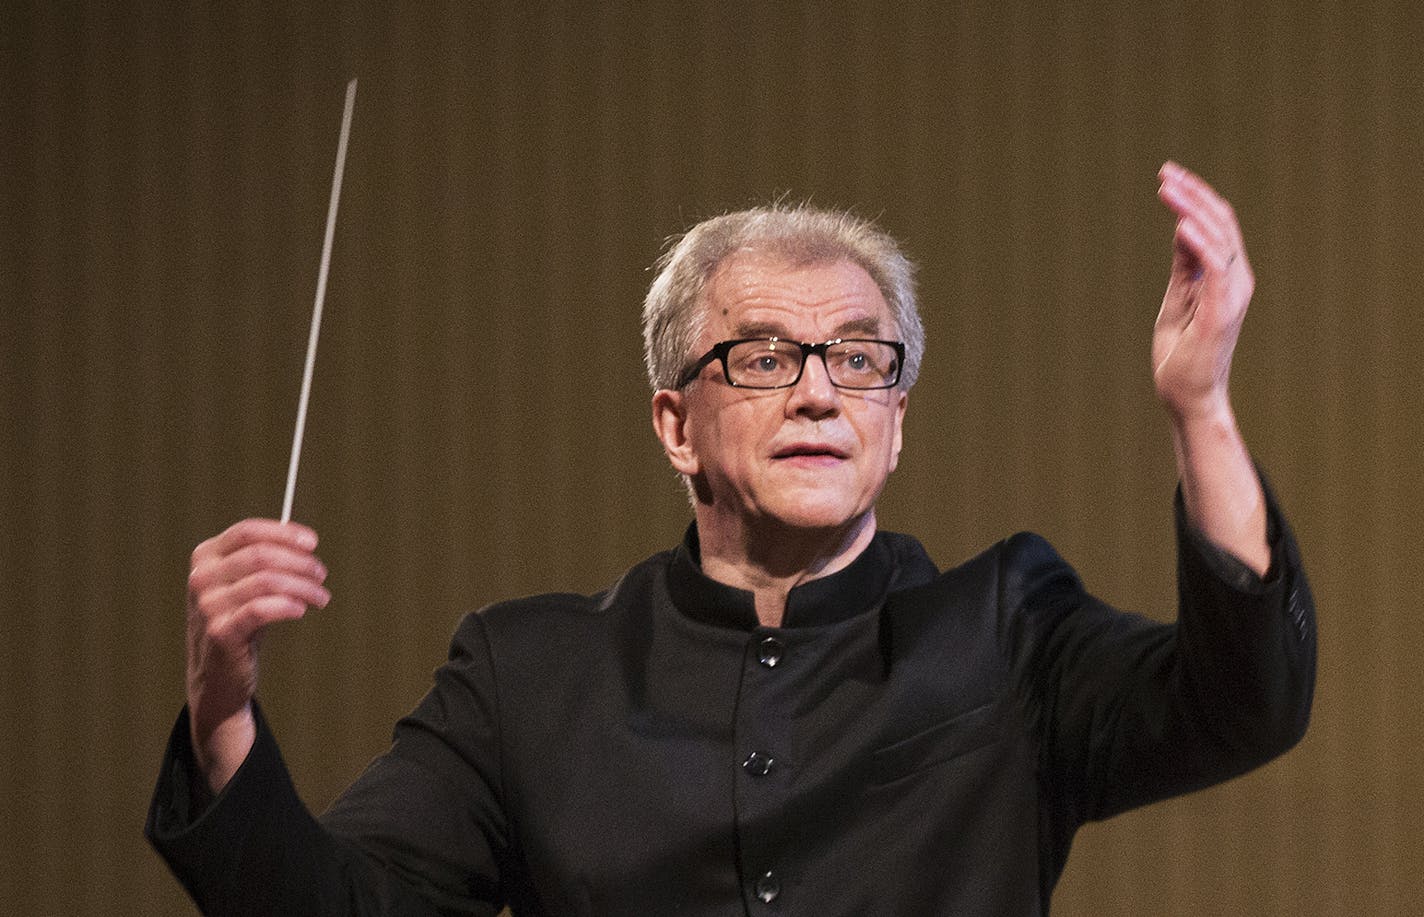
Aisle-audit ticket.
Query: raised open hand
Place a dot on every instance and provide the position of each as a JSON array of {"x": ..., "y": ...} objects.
[{"x": 1207, "y": 295}]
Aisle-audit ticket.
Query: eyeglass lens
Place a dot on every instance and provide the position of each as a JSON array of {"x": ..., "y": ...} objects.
[{"x": 849, "y": 363}]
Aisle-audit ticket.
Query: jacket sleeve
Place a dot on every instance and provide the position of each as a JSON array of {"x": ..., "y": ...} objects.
[
  {"x": 1129, "y": 711},
  {"x": 418, "y": 834}
]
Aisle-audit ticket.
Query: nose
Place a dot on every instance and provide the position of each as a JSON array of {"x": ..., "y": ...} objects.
[{"x": 813, "y": 395}]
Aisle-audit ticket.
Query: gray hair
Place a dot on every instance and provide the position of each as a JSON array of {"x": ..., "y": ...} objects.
[{"x": 673, "y": 317}]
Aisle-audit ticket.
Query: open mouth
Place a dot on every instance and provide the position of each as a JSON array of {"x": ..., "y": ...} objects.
[{"x": 810, "y": 451}]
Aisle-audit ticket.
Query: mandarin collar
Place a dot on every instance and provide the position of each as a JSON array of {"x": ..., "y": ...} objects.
[{"x": 860, "y": 587}]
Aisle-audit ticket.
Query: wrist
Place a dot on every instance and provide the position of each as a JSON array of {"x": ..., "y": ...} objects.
[
  {"x": 1205, "y": 412},
  {"x": 220, "y": 748}
]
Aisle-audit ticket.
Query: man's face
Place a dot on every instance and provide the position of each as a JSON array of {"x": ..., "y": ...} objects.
[{"x": 811, "y": 456}]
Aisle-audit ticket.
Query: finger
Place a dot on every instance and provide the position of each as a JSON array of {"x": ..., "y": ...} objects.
[
  {"x": 1185, "y": 200},
  {"x": 1186, "y": 192},
  {"x": 224, "y": 569},
  {"x": 266, "y": 555},
  {"x": 240, "y": 628},
  {"x": 1181, "y": 207},
  {"x": 209, "y": 610},
  {"x": 265, "y": 583},
  {"x": 1206, "y": 248},
  {"x": 250, "y": 531}
]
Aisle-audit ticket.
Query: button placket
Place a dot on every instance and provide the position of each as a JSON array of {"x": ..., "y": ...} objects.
[{"x": 764, "y": 734}]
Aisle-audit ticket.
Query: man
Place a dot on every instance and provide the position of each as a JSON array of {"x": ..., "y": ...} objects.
[{"x": 792, "y": 712}]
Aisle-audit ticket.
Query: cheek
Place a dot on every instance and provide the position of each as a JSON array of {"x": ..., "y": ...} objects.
[
  {"x": 748, "y": 420},
  {"x": 728, "y": 438},
  {"x": 879, "y": 432}
]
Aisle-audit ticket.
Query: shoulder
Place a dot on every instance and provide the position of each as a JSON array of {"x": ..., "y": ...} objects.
[
  {"x": 986, "y": 600},
  {"x": 1007, "y": 572},
  {"x": 1029, "y": 566}
]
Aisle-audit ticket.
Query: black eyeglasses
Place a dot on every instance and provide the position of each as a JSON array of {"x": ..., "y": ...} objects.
[{"x": 852, "y": 363}]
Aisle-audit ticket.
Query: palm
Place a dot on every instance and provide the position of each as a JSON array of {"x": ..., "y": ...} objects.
[{"x": 1206, "y": 299}]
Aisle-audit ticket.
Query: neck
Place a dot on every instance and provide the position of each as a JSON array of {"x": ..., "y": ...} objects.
[{"x": 769, "y": 561}]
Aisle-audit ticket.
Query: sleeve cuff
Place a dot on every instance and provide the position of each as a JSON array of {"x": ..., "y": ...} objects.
[
  {"x": 1224, "y": 565},
  {"x": 203, "y": 836}
]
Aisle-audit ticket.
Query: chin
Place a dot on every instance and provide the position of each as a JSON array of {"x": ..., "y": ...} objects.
[{"x": 816, "y": 515}]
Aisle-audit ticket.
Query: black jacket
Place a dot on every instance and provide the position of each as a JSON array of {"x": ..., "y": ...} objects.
[{"x": 909, "y": 742}]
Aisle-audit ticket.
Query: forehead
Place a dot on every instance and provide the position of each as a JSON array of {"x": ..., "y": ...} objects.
[{"x": 752, "y": 294}]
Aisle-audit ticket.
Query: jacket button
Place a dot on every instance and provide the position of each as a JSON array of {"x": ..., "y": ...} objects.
[
  {"x": 768, "y": 887},
  {"x": 769, "y": 653},
  {"x": 758, "y": 764}
]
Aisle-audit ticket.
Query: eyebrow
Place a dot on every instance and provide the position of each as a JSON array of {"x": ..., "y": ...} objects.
[{"x": 870, "y": 326}]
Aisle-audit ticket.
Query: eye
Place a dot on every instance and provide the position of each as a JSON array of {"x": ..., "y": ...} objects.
[
  {"x": 853, "y": 358},
  {"x": 768, "y": 362}
]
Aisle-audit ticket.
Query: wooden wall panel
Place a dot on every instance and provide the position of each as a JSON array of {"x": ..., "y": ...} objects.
[{"x": 479, "y": 417}]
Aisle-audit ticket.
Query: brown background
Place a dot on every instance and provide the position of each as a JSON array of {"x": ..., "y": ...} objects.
[{"x": 479, "y": 417}]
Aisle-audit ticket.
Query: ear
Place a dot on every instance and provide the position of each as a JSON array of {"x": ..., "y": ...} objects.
[
  {"x": 670, "y": 425},
  {"x": 898, "y": 436}
]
